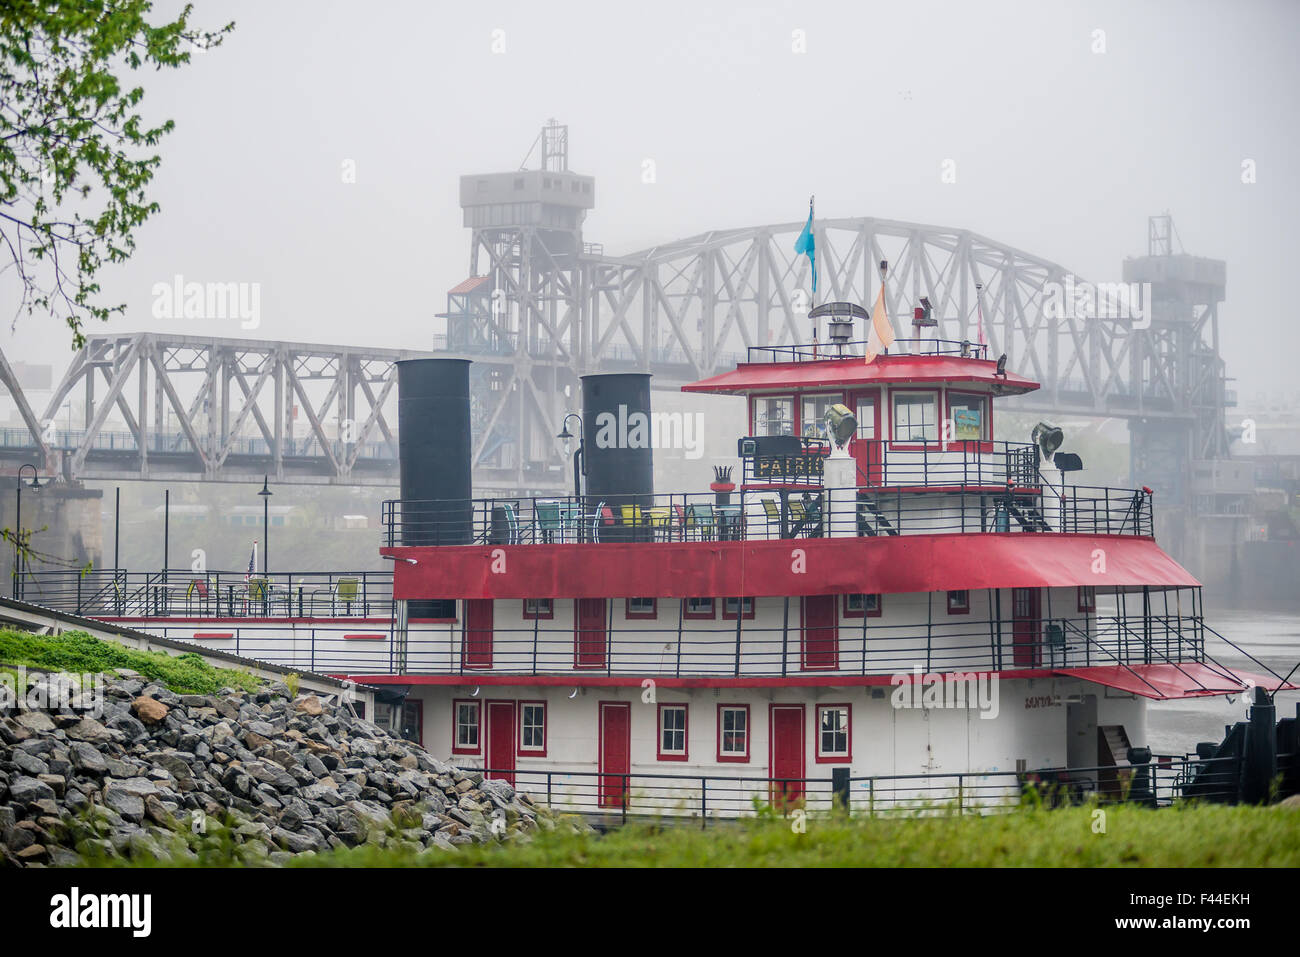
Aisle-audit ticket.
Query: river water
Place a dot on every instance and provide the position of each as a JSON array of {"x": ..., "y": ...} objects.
[{"x": 1175, "y": 727}]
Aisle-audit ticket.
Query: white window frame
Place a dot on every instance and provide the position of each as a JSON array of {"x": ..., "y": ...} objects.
[
  {"x": 663, "y": 712},
  {"x": 477, "y": 725},
  {"x": 723, "y": 732},
  {"x": 898, "y": 395},
  {"x": 760, "y": 425},
  {"x": 842, "y": 729},
  {"x": 818, "y": 424},
  {"x": 524, "y": 708}
]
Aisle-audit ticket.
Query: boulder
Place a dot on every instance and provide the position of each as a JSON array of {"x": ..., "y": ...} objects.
[{"x": 149, "y": 710}]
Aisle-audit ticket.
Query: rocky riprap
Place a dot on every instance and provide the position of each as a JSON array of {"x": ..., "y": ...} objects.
[{"x": 257, "y": 776}]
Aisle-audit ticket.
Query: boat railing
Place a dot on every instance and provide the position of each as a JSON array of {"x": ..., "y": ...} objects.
[
  {"x": 778, "y": 511},
  {"x": 857, "y": 348},
  {"x": 699, "y": 799},
  {"x": 671, "y": 646},
  {"x": 118, "y": 593}
]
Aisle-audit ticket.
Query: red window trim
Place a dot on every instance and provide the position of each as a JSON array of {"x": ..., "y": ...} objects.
[
  {"x": 231, "y": 634},
  {"x": 689, "y": 615},
  {"x": 982, "y": 445},
  {"x": 880, "y": 606},
  {"x": 455, "y": 727},
  {"x": 631, "y": 615},
  {"x": 537, "y": 616},
  {"x": 817, "y": 731},
  {"x": 1088, "y": 592},
  {"x": 740, "y": 605},
  {"x": 749, "y": 735},
  {"x": 432, "y": 621},
  {"x": 520, "y": 750},
  {"x": 686, "y": 732},
  {"x": 960, "y": 609},
  {"x": 375, "y": 636}
]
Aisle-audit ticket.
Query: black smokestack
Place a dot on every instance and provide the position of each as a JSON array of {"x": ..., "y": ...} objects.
[
  {"x": 616, "y": 443},
  {"x": 433, "y": 446}
]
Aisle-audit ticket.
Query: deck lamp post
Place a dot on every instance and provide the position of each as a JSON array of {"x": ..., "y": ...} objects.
[
  {"x": 266, "y": 494},
  {"x": 35, "y": 485},
  {"x": 579, "y": 464}
]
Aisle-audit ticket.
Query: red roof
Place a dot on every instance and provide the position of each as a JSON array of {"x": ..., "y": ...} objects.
[
  {"x": 888, "y": 564},
  {"x": 771, "y": 376},
  {"x": 469, "y": 285},
  {"x": 1167, "y": 681}
]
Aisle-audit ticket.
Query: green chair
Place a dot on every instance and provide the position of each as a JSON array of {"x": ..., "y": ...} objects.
[
  {"x": 700, "y": 517},
  {"x": 549, "y": 524}
]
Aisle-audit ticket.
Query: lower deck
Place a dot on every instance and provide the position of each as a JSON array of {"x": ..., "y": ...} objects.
[{"x": 713, "y": 749}]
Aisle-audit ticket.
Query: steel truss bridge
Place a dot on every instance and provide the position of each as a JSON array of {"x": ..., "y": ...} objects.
[{"x": 543, "y": 307}]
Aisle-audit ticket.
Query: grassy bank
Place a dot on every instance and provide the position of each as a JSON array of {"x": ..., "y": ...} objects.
[
  {"x": 79, "y": 653},
  {"x": 1205, "y": 836}
]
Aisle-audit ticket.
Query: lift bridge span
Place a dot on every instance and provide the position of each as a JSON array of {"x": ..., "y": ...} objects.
[{"x": 543, "y": 307}]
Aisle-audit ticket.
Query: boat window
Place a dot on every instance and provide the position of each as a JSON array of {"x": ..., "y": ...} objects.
[
  {"x": 915, "y": 416},
  {"x": 813, "y": 414},
  {"x": 774, "y": 415},
  {"x": 833, "y": 732}
]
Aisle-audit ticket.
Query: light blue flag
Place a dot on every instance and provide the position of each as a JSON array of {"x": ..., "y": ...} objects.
[{"x": 807, "y": 244}]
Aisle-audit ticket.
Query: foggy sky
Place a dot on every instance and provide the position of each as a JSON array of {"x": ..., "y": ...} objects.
[{"x": 1059, "y": 151}]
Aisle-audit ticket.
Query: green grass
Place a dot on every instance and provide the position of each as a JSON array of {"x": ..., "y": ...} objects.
[
  {"x": 1192, "y": 836},
  {"x": 79, "y": 653}
]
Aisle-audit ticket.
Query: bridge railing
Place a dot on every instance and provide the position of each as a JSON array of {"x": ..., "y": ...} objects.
[
  {"x": 161, "y": 443},
  {"x": 109, "y": 593},
  {"x": 776, "y": 512}
]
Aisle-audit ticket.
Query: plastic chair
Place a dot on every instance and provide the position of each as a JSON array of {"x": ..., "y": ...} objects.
[
  {"x": 702, "y": 519},
  {"x": 549, "y": 524}
]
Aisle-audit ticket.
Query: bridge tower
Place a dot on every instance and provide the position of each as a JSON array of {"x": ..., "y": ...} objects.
[
  {"x": 1178, "y": 356},
  {"x": 521, "y": 311}
]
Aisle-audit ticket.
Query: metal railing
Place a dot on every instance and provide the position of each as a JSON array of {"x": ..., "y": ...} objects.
[
  {"x": 110, "y": 593},
  {"x": 756, "y": 515},
  {"x": 704, "y": 649},
  {"x": 857, "y": 348},
  {"x": 730, "y": 648},
  {"x": 702, "y": 799}
]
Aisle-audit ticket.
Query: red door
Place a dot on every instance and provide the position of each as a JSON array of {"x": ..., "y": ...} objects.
[
  {"x": 866, "y": 443},
  {"x": 819, "y": 637},
  {"x": 1026, "y": 627},
  {"x": 589, "y": 633},
  {"x": 476, "y": 651},
  {"x": 786, "y": 753},
  {"x": 615, "y": 752},
  {"x": 501, "y": 740}
]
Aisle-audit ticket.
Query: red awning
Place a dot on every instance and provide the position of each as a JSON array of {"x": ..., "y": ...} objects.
[
  {"x": 766, "y": 377},
  {"x": 1168, "y": 681},
  {"x": 834, "y": 566}
]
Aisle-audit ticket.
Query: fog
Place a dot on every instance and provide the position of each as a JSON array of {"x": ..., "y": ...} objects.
[{"x": 1068, "y": 125}]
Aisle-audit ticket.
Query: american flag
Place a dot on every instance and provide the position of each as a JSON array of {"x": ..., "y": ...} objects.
[{"x": 252, "y": 562}]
